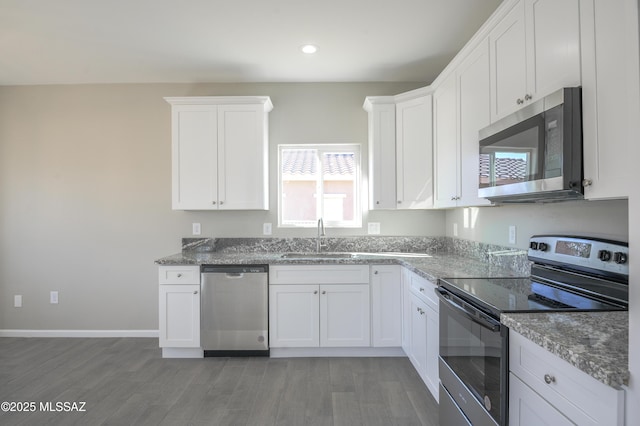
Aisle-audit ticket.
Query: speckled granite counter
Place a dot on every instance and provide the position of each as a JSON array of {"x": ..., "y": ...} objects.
[{"x": 595, "y": 342}]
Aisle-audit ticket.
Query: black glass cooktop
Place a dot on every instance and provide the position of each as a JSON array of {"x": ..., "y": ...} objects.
[{"x": 499, "y": 295}]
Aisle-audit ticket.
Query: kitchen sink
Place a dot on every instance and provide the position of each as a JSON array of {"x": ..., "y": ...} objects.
[{"x": 318, "y": 255}]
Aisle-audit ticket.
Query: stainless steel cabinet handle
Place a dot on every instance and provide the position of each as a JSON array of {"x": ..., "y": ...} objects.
[
  {"x": 549, "y": 379},
  {"x": 528, "y": 97}
]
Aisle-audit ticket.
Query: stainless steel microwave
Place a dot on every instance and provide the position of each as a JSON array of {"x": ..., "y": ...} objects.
[{"x": 535, "y": 154}]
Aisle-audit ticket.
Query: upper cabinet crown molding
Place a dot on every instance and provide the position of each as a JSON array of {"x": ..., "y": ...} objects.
[{"x": 221, "y": 100}]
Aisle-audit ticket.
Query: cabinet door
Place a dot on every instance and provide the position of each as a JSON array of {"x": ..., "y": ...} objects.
[
  {"x": 194, "y": 157},
  {"x": 527, "y": 408},
  {"x": 610, "y": 95},
  {"x": 293, "y": 316},
  {"x": 243, "y": 157},
  {"x": 344, "y": 315},
  {"x": 406, "y": 311},
  {"x": 179, "y": 316},
  {"x": 382, "y": 156},
  {"x": 553, "y": 45},
  {"x": 432, "y": 373},
  {"x": 418, "y": 352},
  {"x": 508, "y": 63},
  {"x": 414, "y": 154},
  {"x": 386, "y": 302},
  {"x": 445, "y": 144},
  {"x": 474, "y": 99}
]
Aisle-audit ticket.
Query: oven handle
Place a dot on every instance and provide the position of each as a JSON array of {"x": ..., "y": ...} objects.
[{"x": 477, "y": 316}]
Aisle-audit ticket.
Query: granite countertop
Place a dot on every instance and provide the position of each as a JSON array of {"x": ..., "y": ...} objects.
[
  {"x": 594, "y": 342},
  {"x": 429, "y": 266}
]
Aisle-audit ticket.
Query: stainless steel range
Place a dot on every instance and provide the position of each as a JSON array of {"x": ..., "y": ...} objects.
[{"x": 568, "y": 274}]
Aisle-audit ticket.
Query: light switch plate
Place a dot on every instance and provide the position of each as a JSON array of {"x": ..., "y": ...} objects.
[
  {"x": 196, "y": 229},
  {"x": 17, "y": 301},
  {"x": 455, "y": 229},
  {"x": 53, "y": 297},
  {"x": 373, "y": 228},
  {"x": 266, "y": 229}
]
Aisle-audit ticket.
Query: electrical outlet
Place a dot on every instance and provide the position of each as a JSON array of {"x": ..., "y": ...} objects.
[
  {"x": 53, "y": 297},
  {"x": 455, "y": 229},
  {"x": 373, "y": 228},
  {"x": 266, "y": 229},
  {"x": 512, "y": 234},
  {"x": 196, "y": 229},
  {"x": 17, "y": 301}
]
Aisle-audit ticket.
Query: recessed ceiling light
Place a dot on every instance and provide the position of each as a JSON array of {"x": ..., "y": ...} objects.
[{"x": 309, "y": 48}]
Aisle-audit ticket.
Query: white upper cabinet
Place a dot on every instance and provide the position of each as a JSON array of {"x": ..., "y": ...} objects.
[
  {"x": 382, "y": 151},
  {"x": 610, "y": 95},
  {"x": 461, "y": 109},
  {"x": 414, "y": 152},
  {"x": 534, "y": 50},
  {"x": 220, "y": 153},
  {"x": 445, "y": 142}
]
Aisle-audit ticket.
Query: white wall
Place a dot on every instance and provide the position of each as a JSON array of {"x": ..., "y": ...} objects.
[
  {"x": 85, "y": 192},
  {"x": 603, "y": 219}
]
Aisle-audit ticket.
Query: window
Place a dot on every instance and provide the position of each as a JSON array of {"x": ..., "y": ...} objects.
[{"x": 319, "y": 181}]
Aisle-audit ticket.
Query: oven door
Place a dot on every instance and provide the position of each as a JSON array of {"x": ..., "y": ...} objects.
[{"x": 473, "y": 361}]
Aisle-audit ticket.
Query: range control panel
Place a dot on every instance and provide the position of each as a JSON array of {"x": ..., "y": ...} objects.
[{"x": 605, "y": 255}]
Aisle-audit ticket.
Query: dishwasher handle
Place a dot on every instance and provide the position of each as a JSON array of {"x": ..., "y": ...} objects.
[{"x": 234, "y": 269}]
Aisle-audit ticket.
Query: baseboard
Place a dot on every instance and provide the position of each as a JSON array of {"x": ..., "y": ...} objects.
[
  {"x": 79, "y": 333},
  {"x": 336, "y": 352}
]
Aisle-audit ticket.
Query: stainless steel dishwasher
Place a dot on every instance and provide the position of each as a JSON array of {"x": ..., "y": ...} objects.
[{"x": 234, "y": 310}]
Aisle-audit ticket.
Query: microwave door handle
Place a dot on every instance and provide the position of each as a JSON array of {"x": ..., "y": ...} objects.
[{"x": 478, "y": 318}]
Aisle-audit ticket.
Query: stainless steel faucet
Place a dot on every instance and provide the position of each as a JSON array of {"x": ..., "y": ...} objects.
[{"x": 319, "y": 241}]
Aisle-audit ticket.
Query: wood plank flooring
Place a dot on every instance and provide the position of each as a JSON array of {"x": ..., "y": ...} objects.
[{"x": 126, "y": 382}]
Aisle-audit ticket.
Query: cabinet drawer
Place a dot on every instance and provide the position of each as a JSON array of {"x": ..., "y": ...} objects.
[
  {"x": 577, "y": 395},
  {"x": 180, "y": 274},
  {"x": 319, "y": 274},
  {"x": 424, "y": 289}
]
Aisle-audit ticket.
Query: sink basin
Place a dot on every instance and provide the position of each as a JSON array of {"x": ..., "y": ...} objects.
[{"x": 318, "y": 255}]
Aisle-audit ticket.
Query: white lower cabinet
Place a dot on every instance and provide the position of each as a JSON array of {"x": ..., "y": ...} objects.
[
  {"x": 420, "y": 328},
  {"x": 319, "y": 306},
  {"x": 179, "y": 310},
  {"x": 546, "y": 390},
  {"x": 386, "y": 305}
]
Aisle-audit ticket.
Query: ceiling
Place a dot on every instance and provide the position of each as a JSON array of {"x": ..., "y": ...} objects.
[{"x": 145, "y": 41}]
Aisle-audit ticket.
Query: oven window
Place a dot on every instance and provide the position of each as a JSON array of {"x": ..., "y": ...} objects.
[{"x": 474, "y": 354}]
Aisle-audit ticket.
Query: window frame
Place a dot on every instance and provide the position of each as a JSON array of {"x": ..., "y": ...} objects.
[{"x": 357, "y": 178}]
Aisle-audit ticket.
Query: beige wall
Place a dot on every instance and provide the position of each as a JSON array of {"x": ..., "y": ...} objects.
[{"x": 85, "y": 192}]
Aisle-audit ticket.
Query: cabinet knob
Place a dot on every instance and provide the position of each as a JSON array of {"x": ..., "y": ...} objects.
[
  {"x": 548, "y": 379},
  {"x": 375, "y": 272},
  {"x": 377, "y": 202},
  {"x": 324, "y": 292},
  {"x": 179, "y": 275},
  {"x": 528, "y": 97},
  {"x": 221, "y": 202},
  {"x": 587, "y": 182},
  {"x": 399, "y": 202},
  {"x": 453, "y": 198},
  {"x": 213, "y": 202},
  {"x": 315, "y": 292},
  {"x": 519, "y": 101},
  {"x": 421, "y": 290},
  {"x": 195, "y": 292}
]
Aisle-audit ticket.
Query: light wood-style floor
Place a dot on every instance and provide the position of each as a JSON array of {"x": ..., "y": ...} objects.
[{"x": 126, "y": 382}]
